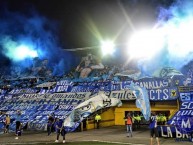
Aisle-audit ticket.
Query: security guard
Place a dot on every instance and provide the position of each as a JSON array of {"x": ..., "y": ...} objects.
[
  {"x": 163, "y": 119},
  {"x": 138, "y": 120},
  {"x": 97, "y": 120}
]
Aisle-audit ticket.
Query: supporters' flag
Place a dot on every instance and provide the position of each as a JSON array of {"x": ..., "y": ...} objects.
[
  {"x": 88, "y": 107},
  {"x": 130, "y": 73},
  {"x": 166, "y": 72},
  {"x": 142, "y": 100},
  {"x": 46, "y": 85}
]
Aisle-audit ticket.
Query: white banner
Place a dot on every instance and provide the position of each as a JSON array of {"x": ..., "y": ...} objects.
[
  {"x": 123, "y": 95},
  {"x": 46, "y": 85}
]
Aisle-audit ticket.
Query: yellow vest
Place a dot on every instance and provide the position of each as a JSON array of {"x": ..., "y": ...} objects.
[{"x": 97, "y": 118}]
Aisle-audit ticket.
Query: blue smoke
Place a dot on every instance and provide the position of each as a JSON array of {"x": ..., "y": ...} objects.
[
  {"x": 176, "y": 24},
  {"x": 36, "y": 36}
]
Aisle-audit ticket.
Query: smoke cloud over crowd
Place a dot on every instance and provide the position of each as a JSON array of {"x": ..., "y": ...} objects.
[
  {"x": 26, "y": 36},
  {"x": 174, "y": 24}
]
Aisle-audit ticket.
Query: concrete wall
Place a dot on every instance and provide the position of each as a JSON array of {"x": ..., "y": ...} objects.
[{"x": 115, "y": 115}]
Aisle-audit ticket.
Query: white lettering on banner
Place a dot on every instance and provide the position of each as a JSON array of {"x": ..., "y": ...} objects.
[
  {"x": 117, "y": 94},
  {"x": 72, "y": 101},
  {"x": 123, "y": 95},
  {"x": 148, "y": 84},
  {"x": 185, "y": 112},
  {"x": 35, "y": 96},
  {"x": 81, "y": 95},
  {"x": 45, "y": 85},
  {"x": 187, "y": 105},
  {"x": 180, "y": 135},
  {"x": 64, "y": 82},
  {"x": 159, "y": 94},
  {"x": 185, "y": 124},
  {"x": 81, "y": 89},
  {"x": 61, "y": 88},
  {"x": 168, "y": 132},
  {"x": 36, "y": 126},
  {"x": 185, "y": 96},
  {"x": 129, "y": 95}
]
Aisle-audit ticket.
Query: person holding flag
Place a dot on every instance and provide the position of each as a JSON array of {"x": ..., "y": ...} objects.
[{"x": 153, "y": 128}]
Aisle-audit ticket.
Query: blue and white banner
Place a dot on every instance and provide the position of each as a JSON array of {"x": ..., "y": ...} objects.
[
  {"x": 186, "y": 96},
  {"x": 80, "y": 95},
  {"x": 23, "y": 91},
  {"x": 85, "y": 89},
  {"x": 64, "y": 82},
  {"x": 183, "y": 119},
  {"x": 94, "y": 87},
  {"x": 56, "y": 89},
  {"x": 186, "y": 93},
  {"x": 31, "y": 96},
  {"x": 37, "y": 126},
  {"x": 95, "y": 84},
  {"x": 86, "y": 108},
  {"x": 56, "y": 96},
  {"x": 46, "y": 85},
  {"x": 163, "y": 94},
  {"x": 173, "y": 131},
  {"x": 148, "y": 83},
  {"x": 123, "y": 95}
]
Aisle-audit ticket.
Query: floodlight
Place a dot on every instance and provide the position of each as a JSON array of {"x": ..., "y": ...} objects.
[{"x": 107, "y": 47}]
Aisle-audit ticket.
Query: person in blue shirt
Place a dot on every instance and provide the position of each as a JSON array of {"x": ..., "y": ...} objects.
[
  {"x": 60, "y": 130},
  {"x": 153, "y": 128}
]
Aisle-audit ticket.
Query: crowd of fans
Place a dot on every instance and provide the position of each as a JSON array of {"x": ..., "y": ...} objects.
[{"x": 41, "y": 74}]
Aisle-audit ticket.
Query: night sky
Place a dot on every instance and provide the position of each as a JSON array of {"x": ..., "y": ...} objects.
[
  {"x": 76, "y": 19},
  {"x": 50, "y": 27}
]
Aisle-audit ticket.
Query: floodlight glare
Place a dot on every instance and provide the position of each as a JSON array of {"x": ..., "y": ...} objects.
[
  {"x": 145, "y": 44},
  {"x": 23, "y": 52},
  {"x": 107, "y": 47}
]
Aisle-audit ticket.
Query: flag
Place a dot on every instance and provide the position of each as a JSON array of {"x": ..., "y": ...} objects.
[
  {"x": 142, "y": 100},
  {"x": 166, "y": 72},
  {"x": 88, "y": 107},
  {"x": 133, "y": 74}
]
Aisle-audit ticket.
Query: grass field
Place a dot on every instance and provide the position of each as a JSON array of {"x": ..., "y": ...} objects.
[{"x": 77, "y": 143}]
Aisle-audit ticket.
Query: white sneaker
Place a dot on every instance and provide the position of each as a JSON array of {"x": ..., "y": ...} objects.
[
  {"x": 64, "y": 141},
  {"x": 16, "y": 138},
  {"x": 56, "y": 141}
]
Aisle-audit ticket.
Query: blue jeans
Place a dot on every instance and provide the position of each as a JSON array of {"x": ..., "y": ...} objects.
[{"x": 129, "y": 129}]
